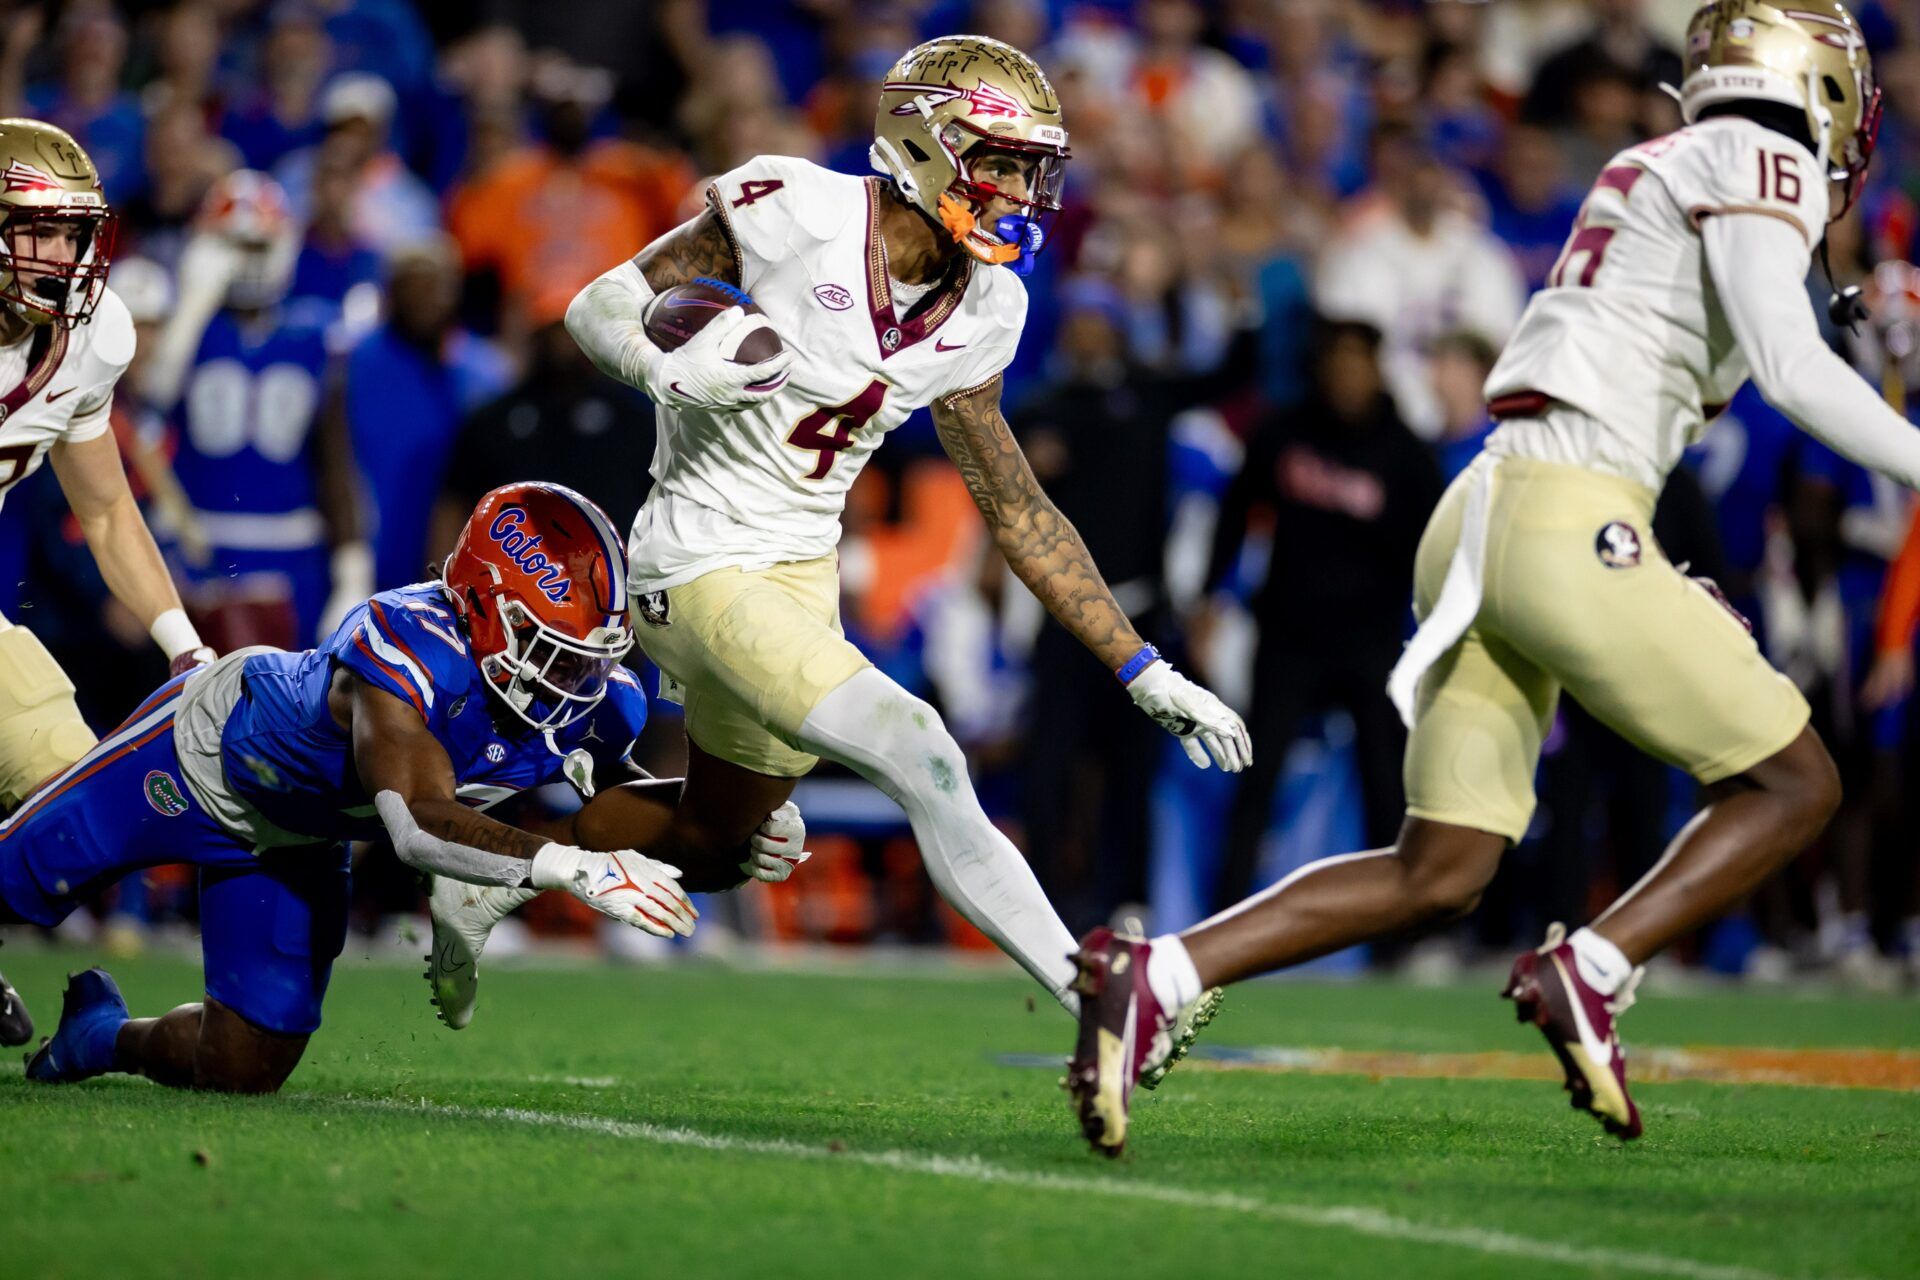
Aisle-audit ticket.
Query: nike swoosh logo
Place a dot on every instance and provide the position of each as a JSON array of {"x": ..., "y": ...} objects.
[
  {"x": 938, "y": 345},
  {"x": 446, "y": 961},
  {"x": 55, "y": 395},
  {"x": 1601, "y": 1051}
]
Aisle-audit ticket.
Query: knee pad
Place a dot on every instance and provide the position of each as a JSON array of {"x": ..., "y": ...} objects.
[{"x": 41, "y": 732}]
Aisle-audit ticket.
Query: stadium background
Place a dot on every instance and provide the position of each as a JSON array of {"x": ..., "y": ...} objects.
[{"x": 1275, "y": 208}]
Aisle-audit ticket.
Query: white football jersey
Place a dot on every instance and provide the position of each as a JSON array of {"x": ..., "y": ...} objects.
[
  {"x": 1629, "y": 329},
  {"x": 765, "y": 485},
  {"x": 58, "y": 385}
]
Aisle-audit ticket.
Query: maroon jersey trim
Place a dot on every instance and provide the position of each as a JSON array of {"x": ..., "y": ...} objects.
[
  {"x": 43, "y": 359},
  {"x": 893, "y": 335}
]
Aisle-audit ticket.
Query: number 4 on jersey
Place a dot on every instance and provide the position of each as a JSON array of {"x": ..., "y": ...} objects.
[{"x": 829, "y": 430}]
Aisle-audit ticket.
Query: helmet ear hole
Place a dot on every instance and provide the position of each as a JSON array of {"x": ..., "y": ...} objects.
[
  {"x": 1834, "y": 92},
  {"x": 912, "y": 149}
]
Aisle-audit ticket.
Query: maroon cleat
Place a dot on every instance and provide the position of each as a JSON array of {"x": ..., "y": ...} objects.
[
  {"x": 1120, "y": 1025},
  {"x": 1548, "y": 991}
]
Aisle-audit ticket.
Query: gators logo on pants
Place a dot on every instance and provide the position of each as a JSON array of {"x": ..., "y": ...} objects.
[{"x": 163, "y": 793}]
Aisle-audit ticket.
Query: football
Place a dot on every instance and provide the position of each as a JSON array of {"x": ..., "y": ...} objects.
[{"x": 684, "y": 310}]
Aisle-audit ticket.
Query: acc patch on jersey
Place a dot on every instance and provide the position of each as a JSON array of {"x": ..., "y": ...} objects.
[
  {"x": 163, "y": 793},
  {"x": 1618, "y": 545}
]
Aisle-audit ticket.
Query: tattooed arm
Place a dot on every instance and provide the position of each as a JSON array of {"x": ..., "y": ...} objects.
[
  {"x": 393, "y": 751},
  {"x": 700, "y": 246},
  {"x": 1041, "y": 545},
  {"x": 608, "y": 320}
]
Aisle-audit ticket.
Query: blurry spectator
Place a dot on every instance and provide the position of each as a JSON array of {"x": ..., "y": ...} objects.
[
  {"x": 182, "y": 161},
  {"x": 1460, "y": 362},
  {"x": 1814, "y": 628},
  {"x": 1414, "y": 266},
  {"x": 1530, "y": 206},
  {"x": 1604, "y": 120},
  {"x": 269, "y": 476},
  {"x": 334, "y": 264},
  {"x": 87, "y": 100},
  {"x": 187, "y": 53},
  {"x": 1462, "y": 129},
  {"x": 1347, "y": 489},
  {"x": 557, "y": 213},
  {"x": 281, "y": 114},
  {"x": 864, "y": 44},
  {"x": 1206, "y": 96},
  {"x": 1617, "y": 42},
  {"x": 1321, "y": 108},
  {"x": 1097, "y": 436},
  {"x": 562, "y": 422},
  {"x": 392, "y": 207},
  {"x": 404, "y": 391}
]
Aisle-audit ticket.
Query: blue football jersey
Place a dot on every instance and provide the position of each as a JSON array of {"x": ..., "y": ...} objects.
[
  {"x": 245, "y": 419},
  {"x": 283, "y": 754}
]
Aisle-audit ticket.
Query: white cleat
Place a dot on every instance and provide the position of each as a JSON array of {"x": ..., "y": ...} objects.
[{"x": 463, "y": 918}]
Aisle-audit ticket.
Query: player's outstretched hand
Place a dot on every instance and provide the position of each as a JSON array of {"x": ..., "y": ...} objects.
[
  {"x": 778, "y": 846},
  {"x": 702, "y": 374},
  {"x": 187, "y": 661},
  {"x": 628, "y": 886},
  {"x": 1202, "y": 722}
]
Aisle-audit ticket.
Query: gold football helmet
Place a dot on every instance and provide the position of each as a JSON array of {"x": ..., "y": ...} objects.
[
  {"x": 45, "y": 176},
  {"x": 1812, "y": 57},
  {"x": 945, "y": 105}
]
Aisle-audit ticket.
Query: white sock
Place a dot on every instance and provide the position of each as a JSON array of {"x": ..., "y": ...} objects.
[
  {"x": 1602, "y": 965},
  {"x": 898, "y": 743},
  {"x": 1170, "y": 972}
]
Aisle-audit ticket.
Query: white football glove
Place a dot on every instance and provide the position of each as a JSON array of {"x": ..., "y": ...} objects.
[
  {"x": 1201, "y": 721},
  {"x": 775, "y": 849},
  {"x": 630, "y": 887},
  {"x": 702, "y": 374}
]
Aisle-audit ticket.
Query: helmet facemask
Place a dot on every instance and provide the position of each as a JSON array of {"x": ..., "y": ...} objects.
[
  {"x": 973, "y": 190},
  {"x": 62, "y": 293},
  {"x": 548, "y": 678}
]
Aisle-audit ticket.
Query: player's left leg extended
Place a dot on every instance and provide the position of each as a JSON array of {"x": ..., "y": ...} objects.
[{"x": 771, "y": 683}]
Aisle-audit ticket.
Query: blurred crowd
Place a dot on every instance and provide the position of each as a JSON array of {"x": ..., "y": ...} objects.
[{"x": 1296, "y": 233}]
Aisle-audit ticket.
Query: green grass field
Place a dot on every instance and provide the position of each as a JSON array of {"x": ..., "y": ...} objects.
[{"x": 697, "y": 1121}]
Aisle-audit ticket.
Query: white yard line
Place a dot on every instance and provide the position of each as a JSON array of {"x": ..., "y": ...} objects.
[{"x": 1355, "y": 1218}]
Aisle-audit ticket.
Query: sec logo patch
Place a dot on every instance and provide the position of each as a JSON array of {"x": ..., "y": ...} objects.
[
  {"x": 1618, "y": 545},
  {"x": 496, "y": 752},
  {"x": 163, "y": 793}
]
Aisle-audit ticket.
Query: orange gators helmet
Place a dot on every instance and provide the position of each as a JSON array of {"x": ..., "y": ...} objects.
[
  {"x": 539, "y": 578},
  {"x": 250, "y": 211}
]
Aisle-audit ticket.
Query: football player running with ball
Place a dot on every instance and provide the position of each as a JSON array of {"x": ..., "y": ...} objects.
[
  {"x": 429, "y": 702},
  {"x": 1683, "y": 277},
  {"x": 888, "y": 294},
  {"x": 65, "y": 339}
]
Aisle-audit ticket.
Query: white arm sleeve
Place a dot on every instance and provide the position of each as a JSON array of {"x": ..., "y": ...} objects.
[
  {"x": 1752, "y": 259},
  {"x": 607, "y": 319},
  {"x": 440, "y": 857}
]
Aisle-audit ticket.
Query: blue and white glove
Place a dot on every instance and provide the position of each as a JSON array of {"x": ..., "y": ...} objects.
[{"x": 1202, "y": 722}]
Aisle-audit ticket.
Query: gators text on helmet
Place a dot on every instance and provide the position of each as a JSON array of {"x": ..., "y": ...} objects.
[
  {"x": 945, "y": 105},
  {"x": 539, "y": 577}
]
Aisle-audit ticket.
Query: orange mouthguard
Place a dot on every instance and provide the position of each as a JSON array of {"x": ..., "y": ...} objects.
[{"x": 962, "y": 223}]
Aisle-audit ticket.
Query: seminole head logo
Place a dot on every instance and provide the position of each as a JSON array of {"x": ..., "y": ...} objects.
[
  {"x": 549, "y": 579},
  {"x": 21, "y": 176},
  {"x": 985, "y": 101}
]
